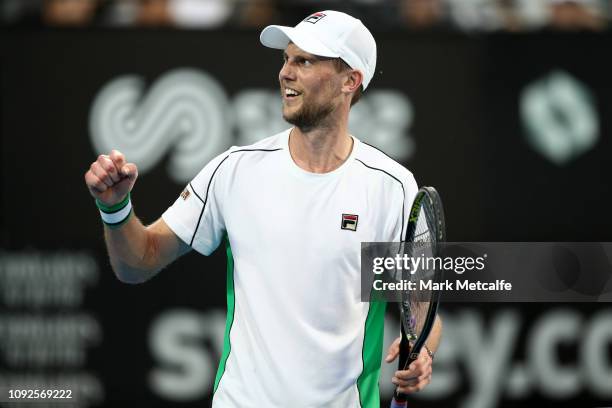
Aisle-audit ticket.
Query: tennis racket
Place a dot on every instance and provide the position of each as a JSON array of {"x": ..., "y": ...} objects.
[{"x": 426, "y": 228}]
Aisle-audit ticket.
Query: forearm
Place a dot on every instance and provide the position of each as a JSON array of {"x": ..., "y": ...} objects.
[
  {"x": 131, "y": 249},
  {"x": 136, "y": 252}
]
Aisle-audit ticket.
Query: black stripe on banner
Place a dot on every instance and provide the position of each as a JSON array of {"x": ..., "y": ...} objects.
[
  {"x": 403, "y": 190},
  {"x": 210, "y": 182}
]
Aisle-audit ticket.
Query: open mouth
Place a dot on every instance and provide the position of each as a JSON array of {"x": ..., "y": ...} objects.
[{"x": 291, "y": 93}]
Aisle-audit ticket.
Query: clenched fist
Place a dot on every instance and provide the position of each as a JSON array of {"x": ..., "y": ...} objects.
[{"x": 110, "y": 178}]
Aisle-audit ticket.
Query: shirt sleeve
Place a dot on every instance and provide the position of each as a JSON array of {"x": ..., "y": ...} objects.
[{"x": 197, "y": 214}]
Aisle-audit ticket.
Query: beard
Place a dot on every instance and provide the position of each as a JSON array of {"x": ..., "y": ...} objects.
[{"x": 309, "y": 115}]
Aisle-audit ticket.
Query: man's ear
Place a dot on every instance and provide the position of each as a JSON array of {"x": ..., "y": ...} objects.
[{"x": 353, "y": 81}]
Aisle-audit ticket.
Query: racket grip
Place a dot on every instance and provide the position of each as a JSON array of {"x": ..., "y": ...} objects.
[{"x": 396, "y": 404}]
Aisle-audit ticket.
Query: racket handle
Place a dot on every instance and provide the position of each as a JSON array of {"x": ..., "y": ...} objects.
[{"x": 396, "y": 404}]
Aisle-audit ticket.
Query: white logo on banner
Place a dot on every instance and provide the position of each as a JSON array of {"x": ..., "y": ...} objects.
[
  {"x": 186, "y": 114},
  {"x": 477, "y": 363},
  {"x": 185, "y": 369},
  {"x": 383, "y": 119},
  {"x": 560, "y": 118}
]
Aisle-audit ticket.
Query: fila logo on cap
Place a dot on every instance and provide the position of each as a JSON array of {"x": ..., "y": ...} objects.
[
  {"x": 349, "y": 222},
  {"x": 313, "y": 18}
]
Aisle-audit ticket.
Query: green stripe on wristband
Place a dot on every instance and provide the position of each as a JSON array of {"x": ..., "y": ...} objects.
[
  {"x": 116, "y": 215},
  {"x": 113, "y": 208}
]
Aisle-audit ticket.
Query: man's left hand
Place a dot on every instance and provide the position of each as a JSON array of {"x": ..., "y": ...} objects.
[{"x": 418, "y": 374}]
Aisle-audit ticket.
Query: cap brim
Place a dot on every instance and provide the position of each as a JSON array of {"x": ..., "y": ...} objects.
[{"x": 279, "y": 37}]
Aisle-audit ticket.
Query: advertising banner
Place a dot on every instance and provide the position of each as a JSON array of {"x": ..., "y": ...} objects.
[{"x": 513, "y": 131}]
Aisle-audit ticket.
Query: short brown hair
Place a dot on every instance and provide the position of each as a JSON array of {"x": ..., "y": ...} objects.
[{"x": 341, "y": 66}]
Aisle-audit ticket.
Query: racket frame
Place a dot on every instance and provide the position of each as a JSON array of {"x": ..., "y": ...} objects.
[{"x": 409, "y": 353}]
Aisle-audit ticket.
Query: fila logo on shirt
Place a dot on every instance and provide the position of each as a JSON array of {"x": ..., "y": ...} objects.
[
  {"x": 349, "y": 222},
  {"x": 185, "y": 194},
  {"x": 314, "y": 18}
]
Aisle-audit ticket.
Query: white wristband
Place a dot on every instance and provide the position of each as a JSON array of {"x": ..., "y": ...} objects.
[{"x": 116, "y": 215}]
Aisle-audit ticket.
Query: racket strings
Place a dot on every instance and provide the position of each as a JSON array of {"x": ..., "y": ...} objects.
[
  {"x": 419, "y": 305},
  {"x": 416, "y": 301}
]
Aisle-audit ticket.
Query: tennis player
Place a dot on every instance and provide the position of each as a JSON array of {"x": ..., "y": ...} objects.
[{"x": 292, "y": 210}]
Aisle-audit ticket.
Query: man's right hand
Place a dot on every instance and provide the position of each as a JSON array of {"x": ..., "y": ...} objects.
[{"x": 110, "y": 178}]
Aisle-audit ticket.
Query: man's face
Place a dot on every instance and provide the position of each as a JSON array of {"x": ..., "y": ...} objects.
[{"x": 310, "y": 88}]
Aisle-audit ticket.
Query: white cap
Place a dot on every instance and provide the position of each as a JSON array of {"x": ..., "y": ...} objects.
[{"x": 329, "y": 34}]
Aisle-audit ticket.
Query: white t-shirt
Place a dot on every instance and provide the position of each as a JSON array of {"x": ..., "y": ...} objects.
[{"x": 297, "y": 332}]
